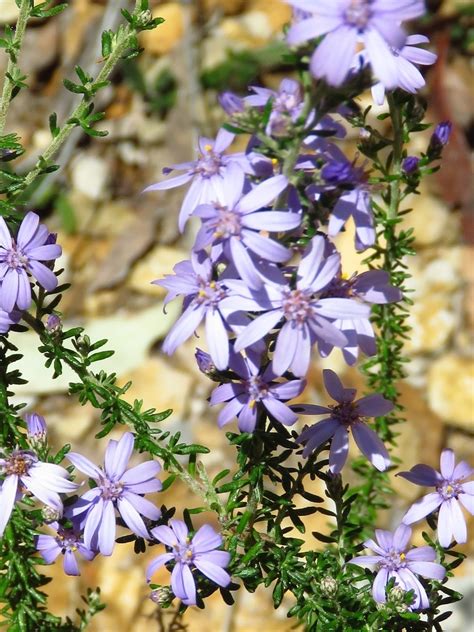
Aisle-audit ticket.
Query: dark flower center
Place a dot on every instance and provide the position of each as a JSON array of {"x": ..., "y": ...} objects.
[
  {"x": 339, "y": 288},
  {"x": 67, "y": 540},
  {"x": 227, "y": 224},
  {"x": 210, "y": 293},
  {"x": 450, "y": 489},
  {"x": 297, "y": 306},
  {"x": 209, "y": 163},
  {"x": 347, "y": 413},
  {"x": 358, "y": 13},
  {"x": 110, "y": 490}
]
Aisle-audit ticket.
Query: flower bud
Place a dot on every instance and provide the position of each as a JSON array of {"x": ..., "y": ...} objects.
[
  {"x": 328, "y": 586},
  {"x": 397, "y": 597},
  {"x": 410, "y": 164},
  {"x": 442, "y": 133},
  {"x": 162, "y": 596},
  {"x": 35, "y": 427},
  {"x": 53, "y": 324},
  {"x": 206, "y": 366},
  {"x": 50, "y": 514}
]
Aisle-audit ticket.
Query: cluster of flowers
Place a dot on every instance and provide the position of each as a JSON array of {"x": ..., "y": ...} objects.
[
  {"x": 86, "y": 525},
  {"x": 268, "y": 287},
  {"x": 360, "y": 34},
  {"x": 266, "y": 300}
]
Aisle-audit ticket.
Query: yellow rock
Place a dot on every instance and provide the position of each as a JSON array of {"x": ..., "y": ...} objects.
[
  {"x": 164, "y": 38},
  {"x": 451, "y": 390},
  {"x": 278, "y": 12},
  {"x": 430, "y": 219},
  {"x": 432, "y": 321}
]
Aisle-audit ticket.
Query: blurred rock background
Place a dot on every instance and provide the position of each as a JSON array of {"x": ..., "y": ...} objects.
[{"x": 116, "y": 241}]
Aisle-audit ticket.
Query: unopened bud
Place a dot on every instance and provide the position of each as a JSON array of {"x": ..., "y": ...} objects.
[
  {"x": 162, "y": 596},
  {"x": 35, "y": 427},
  {"x": 328, "y": 586},
  {"x": 410, "y": 164},
  {"x": 53, "y": 324},
  {"x": 397, "y": 597},
  {"x": 50, "y": 514},
  {"x": 442, "y": 133},
  {"x": 144, "y": 17}
]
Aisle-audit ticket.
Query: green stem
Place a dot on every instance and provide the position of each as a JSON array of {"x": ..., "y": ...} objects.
[
  {"x": 397, "y": 124},
  {"x": 124, "y": 40},
  {"x": 12, "y": 68}
]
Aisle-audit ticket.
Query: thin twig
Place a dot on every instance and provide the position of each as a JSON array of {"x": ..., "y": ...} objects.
[{"x": 12, "y": 68}]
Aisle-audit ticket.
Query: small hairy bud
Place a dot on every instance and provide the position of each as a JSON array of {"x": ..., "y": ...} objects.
[
  {"x": 162, "y": 596},
  {"x": 328, "y": 586},
  {"x": 50, "y": 514},
  {"x": 144, "y": 17},
  {"x": 397, "y": 598}
]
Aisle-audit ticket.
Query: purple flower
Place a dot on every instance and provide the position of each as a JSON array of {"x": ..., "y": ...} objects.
[
  {"x": 36, "y": 427},
  {"x": 231, "y": 103},
  {"x": 410, "y": 164},
  {"x": 45, "y": 481},
  {"x": 394, "y": 561},
  {"x": 287, "y": 105},
  {"x": 200, "y": 551},
  {"x": 450, "y": 491},
  {"x": 22, "y": 257},
  {"x": 66, "y": 542},
  {"x": 206, "y": 174},
  {"x": 372, "y": 286},
  {"x": 348, "y": 22},
  {"x": 233, "y": 226},
  {"x": 256, "y": 390},
  {"x": 118, "y": 488},
  {"x": 306, "y": 317},
  {"x": 410, "y": 78},
  {"x": 346, "y": 415},
  {"x": 204, "y": 298}
]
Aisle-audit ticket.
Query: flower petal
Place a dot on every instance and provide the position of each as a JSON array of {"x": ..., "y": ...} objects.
[
  {"x": 371, "y": 445},
  {"x": 157, "y": 563},
  {"x": 423, "y": 507},
  {"x": 206, "y": 539},
  {"x": 339, "y": 450}
]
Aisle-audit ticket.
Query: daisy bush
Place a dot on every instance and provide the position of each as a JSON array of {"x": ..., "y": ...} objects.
[{"x": 264, "y": 285}]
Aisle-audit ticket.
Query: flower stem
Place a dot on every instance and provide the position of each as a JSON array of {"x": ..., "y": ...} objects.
[
  {"x": 124, "y": 40},
  {"x": 12, "y": 68}
]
